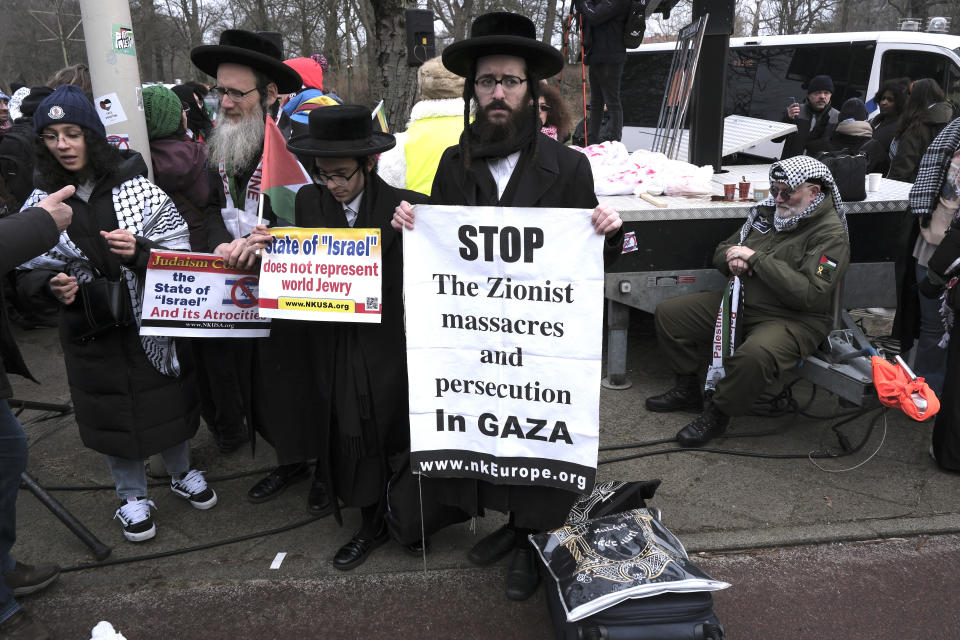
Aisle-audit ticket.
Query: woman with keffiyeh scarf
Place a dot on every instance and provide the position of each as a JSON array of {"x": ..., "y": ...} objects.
[
  {"x": 784, "y": 264},
  {"x": 133, "y": 396}
]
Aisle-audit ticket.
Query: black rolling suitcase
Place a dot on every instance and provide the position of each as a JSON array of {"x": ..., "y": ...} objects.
[{"x": 670, "y": 616}]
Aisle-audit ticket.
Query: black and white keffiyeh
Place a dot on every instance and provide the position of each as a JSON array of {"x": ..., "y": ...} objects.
[
  {"x": 925, "y": 192},
  {"x": 794, "y": 172},
  {"x": 143, "y": 209}
]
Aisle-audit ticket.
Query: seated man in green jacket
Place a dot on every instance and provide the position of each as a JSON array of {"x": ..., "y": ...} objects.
[{"x": 783, "y": 265}]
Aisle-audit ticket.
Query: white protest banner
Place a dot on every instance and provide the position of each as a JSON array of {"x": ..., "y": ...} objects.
[
  {"x": 195, "y": 294},
  {"x": 321, "y": 274},
  {"x": 504, "y": 312}
]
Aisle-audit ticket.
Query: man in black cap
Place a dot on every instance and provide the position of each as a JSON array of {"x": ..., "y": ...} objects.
[
  {"x": 814, "y": 118},
  {"x": 351, "y": 394},
  {"x": 504, "y": 160},
  {"x": 250, "y": 76}
]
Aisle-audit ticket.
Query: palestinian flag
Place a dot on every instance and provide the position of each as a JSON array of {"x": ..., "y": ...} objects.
[
  {"x": 283, "y": 175},
  {"x": 826, "y": 267}
]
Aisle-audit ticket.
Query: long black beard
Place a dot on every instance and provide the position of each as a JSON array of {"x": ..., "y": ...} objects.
[{"x": 490, "y": 139}]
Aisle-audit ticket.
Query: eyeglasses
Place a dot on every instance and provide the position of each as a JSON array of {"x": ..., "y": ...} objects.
[
  {"x": 545, "y": 107},
  {"x": 487, "y": 84},
  {"x": 787, "y": 193},
  {"x": 235, "y": 95},
  {"x": 70, "y": 136},
  {"x": 338, "y": 180}
]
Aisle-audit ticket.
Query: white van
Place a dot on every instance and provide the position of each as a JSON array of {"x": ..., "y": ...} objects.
[{"x": 765, "y": 72}]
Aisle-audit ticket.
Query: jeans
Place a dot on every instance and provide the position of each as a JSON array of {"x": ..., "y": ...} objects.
[
  {"x": 930, "y": 361},
  {"x": 130, "y": 477},
  {"x": 605, "y": 90},
  {"x": 13, "y": 461}
]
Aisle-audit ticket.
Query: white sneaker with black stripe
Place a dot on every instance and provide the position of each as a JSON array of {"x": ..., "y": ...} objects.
[
  {"x": 193, "y": 488},
  {"x": 135, "y": 519}
]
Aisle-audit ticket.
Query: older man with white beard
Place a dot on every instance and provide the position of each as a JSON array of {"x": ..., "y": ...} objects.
[
  {"x": 783, "y": 264},
  {"x": 250, "y": 76}
]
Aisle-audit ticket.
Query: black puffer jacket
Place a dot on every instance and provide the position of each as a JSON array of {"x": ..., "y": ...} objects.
[
  {"x": 604, "y": 22},
  {"x": 124, "y": 406}
]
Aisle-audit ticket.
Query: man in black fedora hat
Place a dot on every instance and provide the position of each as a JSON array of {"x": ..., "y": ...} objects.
[
  {"x": 503, "y": 159},
  {"x": 250, "y": 75},
  {"x": 352, "y": 389}
]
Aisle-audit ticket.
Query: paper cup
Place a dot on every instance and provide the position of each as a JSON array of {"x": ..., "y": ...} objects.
[
  {"x": 873, "y": 181},
  {"x": 729, "y": 191}
]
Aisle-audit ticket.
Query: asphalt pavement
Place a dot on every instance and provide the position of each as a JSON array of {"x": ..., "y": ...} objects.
[{"x": 859, "y": 546}]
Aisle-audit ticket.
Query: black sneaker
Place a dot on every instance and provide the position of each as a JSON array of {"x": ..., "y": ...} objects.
[
  {"x": 193, "y": 488},
  {"x": 135, "y": 519}
]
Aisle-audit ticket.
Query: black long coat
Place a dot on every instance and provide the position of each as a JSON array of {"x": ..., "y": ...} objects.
[
  {"x": 23, "y": 236},
  {"x": 124, "y": 407},
  {"x": 556, "y": 177},
  {"x": 306, "y": 364}
]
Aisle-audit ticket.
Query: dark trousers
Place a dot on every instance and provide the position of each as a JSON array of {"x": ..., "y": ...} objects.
[
  {"x": 13, "y": 461},
  {"x": 222, "y": 363},
  {"x": 685, "y": 328},
  {"x": 605, "y": 90}
]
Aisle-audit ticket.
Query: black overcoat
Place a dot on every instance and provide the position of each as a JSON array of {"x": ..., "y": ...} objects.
[
  {"x": 306, "y": 362},
  {"x": 556, "y": 176}
]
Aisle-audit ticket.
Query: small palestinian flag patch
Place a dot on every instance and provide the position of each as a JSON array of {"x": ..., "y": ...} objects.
[{"x": 826, "y": 267}]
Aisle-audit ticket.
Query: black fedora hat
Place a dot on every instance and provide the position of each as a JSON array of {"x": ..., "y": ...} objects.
[
  {"x": 249, "y": 49},
  {"x": 503, "y": 33},
  {"x": 341, "y": 131}
]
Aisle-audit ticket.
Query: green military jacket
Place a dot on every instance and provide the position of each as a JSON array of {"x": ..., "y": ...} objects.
[{"x": 793, "y": 273}]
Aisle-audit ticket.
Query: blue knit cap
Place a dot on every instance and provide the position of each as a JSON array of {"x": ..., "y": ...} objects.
[{"x": 68, "y": 104}]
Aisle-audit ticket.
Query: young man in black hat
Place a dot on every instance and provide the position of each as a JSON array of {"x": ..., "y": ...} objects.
[
  {"x": 356, "y": 386},
  {"x": 250, "y": 76},
  {"x": 504, "y": 160}
]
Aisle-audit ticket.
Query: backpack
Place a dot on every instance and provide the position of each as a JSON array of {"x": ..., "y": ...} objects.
[{"x": 636, "y": 24}]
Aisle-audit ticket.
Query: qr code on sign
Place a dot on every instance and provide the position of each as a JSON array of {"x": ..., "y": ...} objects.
[{"x": 373, "y": 304}]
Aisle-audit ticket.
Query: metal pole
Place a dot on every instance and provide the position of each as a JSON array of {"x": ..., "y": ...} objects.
[
  {"x": 112, "y": 56},
  {"x": 100, "y": 550}
]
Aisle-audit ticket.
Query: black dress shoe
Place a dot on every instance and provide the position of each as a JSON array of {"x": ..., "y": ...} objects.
[
  {"x": 494, "y": 546},
  {"x": 355, "y": 552},
  {"x": 704, "y": 428},
  {"x": 416, "y": 549},
  {"x": 523, "y": 577},
  {"x": 278, "y": 480},
  {"x": 25, "y": 579},
  {"x": 684, "y": 396},
  {"x": 318, "y": 500}
]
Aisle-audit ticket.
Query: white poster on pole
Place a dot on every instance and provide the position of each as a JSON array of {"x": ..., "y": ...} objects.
[{"x": 504, "y": 313}]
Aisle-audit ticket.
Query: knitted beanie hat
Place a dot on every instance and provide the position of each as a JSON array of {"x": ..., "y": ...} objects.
[
  {"x": 68, "y": 104},
  {"x": 30, "y": 102},
  {"x": 163, "y": 111},
  {"x": 820, "y": 83},
  {"x": 853, "y": 108}
]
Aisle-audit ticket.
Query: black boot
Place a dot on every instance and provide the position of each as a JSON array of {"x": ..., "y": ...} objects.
[
  {"x": 684, "y": 396},
  {"x": 705, "y": 427}
]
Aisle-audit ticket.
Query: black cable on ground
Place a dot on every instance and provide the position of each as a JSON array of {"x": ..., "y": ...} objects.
[{"x": 199, "y": 547}]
